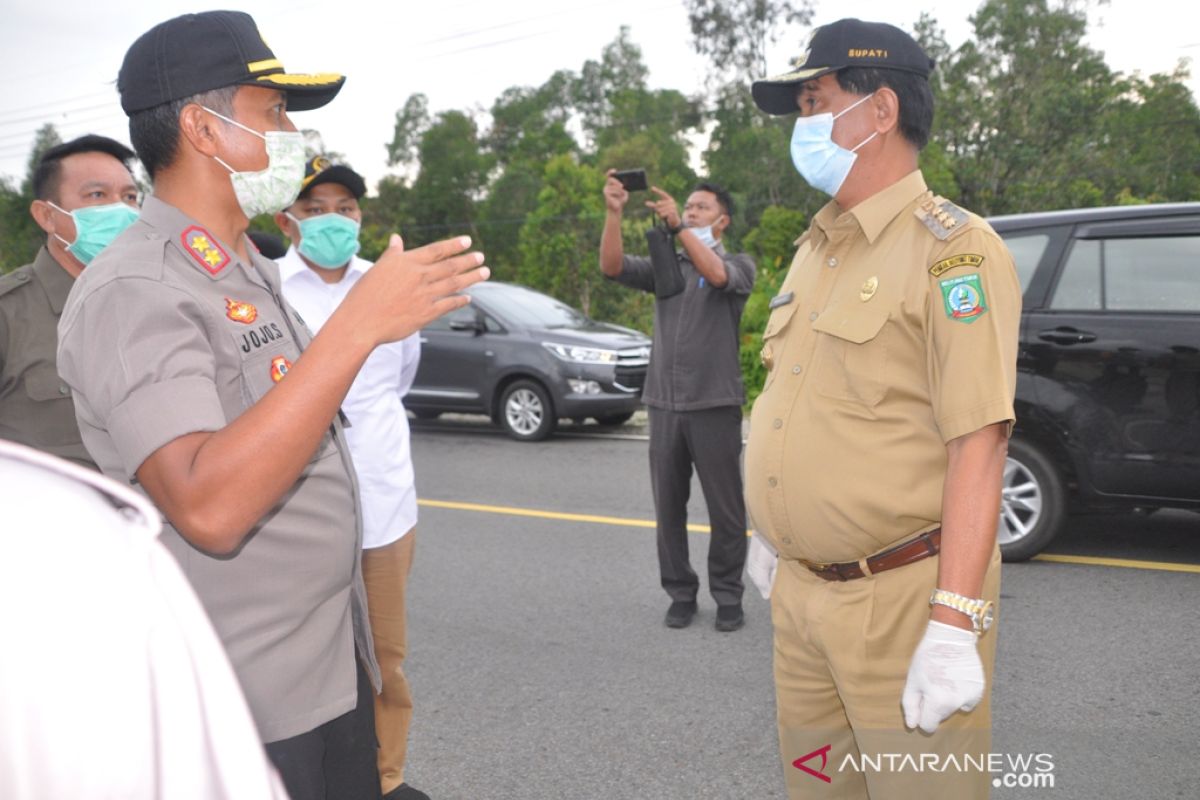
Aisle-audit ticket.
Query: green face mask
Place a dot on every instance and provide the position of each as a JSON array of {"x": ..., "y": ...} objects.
[
  {"x": 328, "y": 240},
  {"x": 95, "y": 228}
]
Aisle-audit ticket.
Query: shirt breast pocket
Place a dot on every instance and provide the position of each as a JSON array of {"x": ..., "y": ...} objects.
[
  {"x": 852, "y": 356},
  {"x": 262, "y": 371},
  {"x": 773, "y": 338},
  {"x": 43, "y": 384}
]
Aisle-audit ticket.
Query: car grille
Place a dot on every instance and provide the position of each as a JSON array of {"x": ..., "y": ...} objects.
[{"x": 631, "y": 368}]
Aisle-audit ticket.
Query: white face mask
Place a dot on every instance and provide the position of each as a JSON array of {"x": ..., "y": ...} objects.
[
  {"x": 821, "y": 161},
  {"x": 705, "y": 235},
  {"x": 276, "y": 187}
]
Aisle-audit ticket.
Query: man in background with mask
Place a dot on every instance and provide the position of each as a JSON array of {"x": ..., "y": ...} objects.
[
  {"x": 318, "y": 271},
  {"x": 194, "y": 379},
  {"x": 877, "y": 446},
  {"x": 693, "y": 390},
  {"x": 84, "y": 195}
]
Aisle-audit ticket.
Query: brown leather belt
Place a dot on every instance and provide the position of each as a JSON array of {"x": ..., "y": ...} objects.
[{"x": 925, "y": 545}]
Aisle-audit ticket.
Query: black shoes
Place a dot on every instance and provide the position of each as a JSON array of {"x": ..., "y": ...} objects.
[
  {"x": 405, "y": 792},
  {"x": 680, "y": 614},
  {"x": 730, "y": 618}
]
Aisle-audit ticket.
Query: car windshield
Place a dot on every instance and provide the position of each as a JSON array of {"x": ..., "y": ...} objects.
[{"x": 533, "y": 308}]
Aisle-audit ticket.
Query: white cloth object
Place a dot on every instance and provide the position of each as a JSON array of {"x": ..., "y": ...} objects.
[
  {"x": 761, "y": 562},
  {"x": 944, "y": 676},
  {"x": 378, "y": 434},
  {"x": 113, "y": 682}
]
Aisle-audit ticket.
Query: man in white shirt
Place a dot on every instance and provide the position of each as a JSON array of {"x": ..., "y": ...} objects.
[{"x": 318, "y": 272}]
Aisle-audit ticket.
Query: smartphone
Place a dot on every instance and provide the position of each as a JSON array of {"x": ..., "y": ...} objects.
[{"x": 634, "y": 180}]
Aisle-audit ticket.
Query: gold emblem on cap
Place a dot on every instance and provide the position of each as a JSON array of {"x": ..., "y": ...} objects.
[{"x": 868, "y": 288}]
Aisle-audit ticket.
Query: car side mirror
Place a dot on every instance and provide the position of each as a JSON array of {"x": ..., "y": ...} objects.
[{"x": 475, "y": 324}]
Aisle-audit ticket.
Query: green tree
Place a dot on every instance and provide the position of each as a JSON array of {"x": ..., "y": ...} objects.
[
  {"x": 453, "y": 173},
  {"x": 734, "y": 34},
  {"x": 20, "y": 236},
  {"x": 561, "y": 238}
]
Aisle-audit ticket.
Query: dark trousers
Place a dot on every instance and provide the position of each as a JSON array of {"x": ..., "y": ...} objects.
[
  {"x": 335, "y": 761},
  {"x": 711, "y": 439}
]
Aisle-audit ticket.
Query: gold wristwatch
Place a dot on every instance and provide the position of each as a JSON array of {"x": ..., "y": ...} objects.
[{"x": 981, "y": 612}]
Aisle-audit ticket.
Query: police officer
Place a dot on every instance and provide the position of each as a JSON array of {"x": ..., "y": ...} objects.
[
  {"x": 877, "y": 447},
  {"x": 84, "y": 195},
  {"x": 693, "y": 390},
  {"x": 195, "y": 379}
]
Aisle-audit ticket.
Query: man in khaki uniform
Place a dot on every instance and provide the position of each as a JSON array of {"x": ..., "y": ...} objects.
[
  {"x": 195, "y": 379},
  {"x": 84, "y": 195},
  {"x": 877, "y": 447}
]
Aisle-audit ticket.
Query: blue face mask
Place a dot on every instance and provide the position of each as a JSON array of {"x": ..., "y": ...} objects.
[
  {"x": 95, "y": 228},
  {"x": 822, "y": 162},
  {"x": 329, "y": 240}
]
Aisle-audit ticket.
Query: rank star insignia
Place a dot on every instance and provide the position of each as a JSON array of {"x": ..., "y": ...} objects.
[
  {"x": 202, "y": 246},
  {"x": 962, "y": 298},
  {"x": 240, "y": 312},
  {"x": 279, "y": 368}
]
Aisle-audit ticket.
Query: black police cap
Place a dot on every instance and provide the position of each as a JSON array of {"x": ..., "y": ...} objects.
[
  {"x": 841, "y": 44},
  {"x": 197, "y": 53},
  {"x": 320, "y": 169}
]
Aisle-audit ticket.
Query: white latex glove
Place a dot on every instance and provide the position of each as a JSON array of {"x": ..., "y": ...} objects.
[
  {"x": 945, "y": 675},
  {"x": 761, "y": 562}
]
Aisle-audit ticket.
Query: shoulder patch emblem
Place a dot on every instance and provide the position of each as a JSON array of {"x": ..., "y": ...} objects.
[
  {"x": 279, "y": 368},
  {"x": 962, "y": 298},
  {"x": 963, "y": 260},
  {"x": 941, "y": 217},
  {"x": 204, "y": 248},
  {"x": 240, "y": 312}
]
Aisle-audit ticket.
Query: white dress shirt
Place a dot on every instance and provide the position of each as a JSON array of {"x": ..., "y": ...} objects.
[{"x": 378, "y": 432}]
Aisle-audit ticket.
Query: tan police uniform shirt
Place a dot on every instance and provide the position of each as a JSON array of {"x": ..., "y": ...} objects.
[
  {"x": 894, "y": 332},
  {"x": 35, "y": 403},
  {"x": 169, "y": 333}
]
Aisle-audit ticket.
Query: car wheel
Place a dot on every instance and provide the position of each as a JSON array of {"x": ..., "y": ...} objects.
[
  {"x": 526, "y": 412},
  {"x": 1032, "y": 503},
  {"x": 614, "y": 419},
  {"x": 426, "y": 413}
]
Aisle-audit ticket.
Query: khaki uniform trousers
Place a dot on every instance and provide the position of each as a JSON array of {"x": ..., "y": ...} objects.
[
  {"x": 842, "y": 651},
  {"x": 385, "y": 573}
]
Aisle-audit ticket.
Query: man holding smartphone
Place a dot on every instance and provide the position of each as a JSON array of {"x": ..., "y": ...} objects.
[{"x": 694, "y": 389}]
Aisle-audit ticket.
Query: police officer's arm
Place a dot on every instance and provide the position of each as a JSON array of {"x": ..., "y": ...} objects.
[
  {"x": 612, "y": 252},
  {"x": 970, "y": 509},
  {"x": 216, "y": 486}
]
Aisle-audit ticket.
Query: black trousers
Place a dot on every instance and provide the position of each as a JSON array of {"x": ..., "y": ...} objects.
[
  {"x": 335, "y": 761},
  {"x": 710, "y": 439}
]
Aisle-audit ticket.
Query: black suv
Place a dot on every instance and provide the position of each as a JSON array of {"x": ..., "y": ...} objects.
[
  {"x": 1108, "y": 371},
  {"x": 526, "y": 359}
]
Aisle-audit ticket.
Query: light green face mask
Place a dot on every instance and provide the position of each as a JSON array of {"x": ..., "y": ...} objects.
[
  {"x": 328, "y": 240},
  {"x": 95, "y": 228}
]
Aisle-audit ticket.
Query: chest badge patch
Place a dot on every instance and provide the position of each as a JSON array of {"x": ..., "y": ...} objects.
[
  {"x": 240, "y": 312},
  {"x": 203, "y": 247},
  {"x": 869, "y": 287},
  {"x": 279, "y": 368},
  {"x": 962, "y": 298}
]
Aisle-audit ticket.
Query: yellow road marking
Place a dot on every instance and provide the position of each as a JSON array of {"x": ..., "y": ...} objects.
[
  {"x": 1096, "y": 561},
  {"x": 626, "y": 522}
]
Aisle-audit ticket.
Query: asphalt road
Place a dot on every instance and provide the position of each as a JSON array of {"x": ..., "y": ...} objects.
[{"x": 541, "y": 667}]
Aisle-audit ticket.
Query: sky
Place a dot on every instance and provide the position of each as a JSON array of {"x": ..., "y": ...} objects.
[{"x": 61, "y": 59}]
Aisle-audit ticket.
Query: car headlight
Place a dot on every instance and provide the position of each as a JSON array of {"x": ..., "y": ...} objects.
[{"x": 581, "y": 355}]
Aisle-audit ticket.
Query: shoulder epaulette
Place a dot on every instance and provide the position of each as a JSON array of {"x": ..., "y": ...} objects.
[
  {"x": 943, "y": 219},
  {"x": 14, "y": 280}
]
